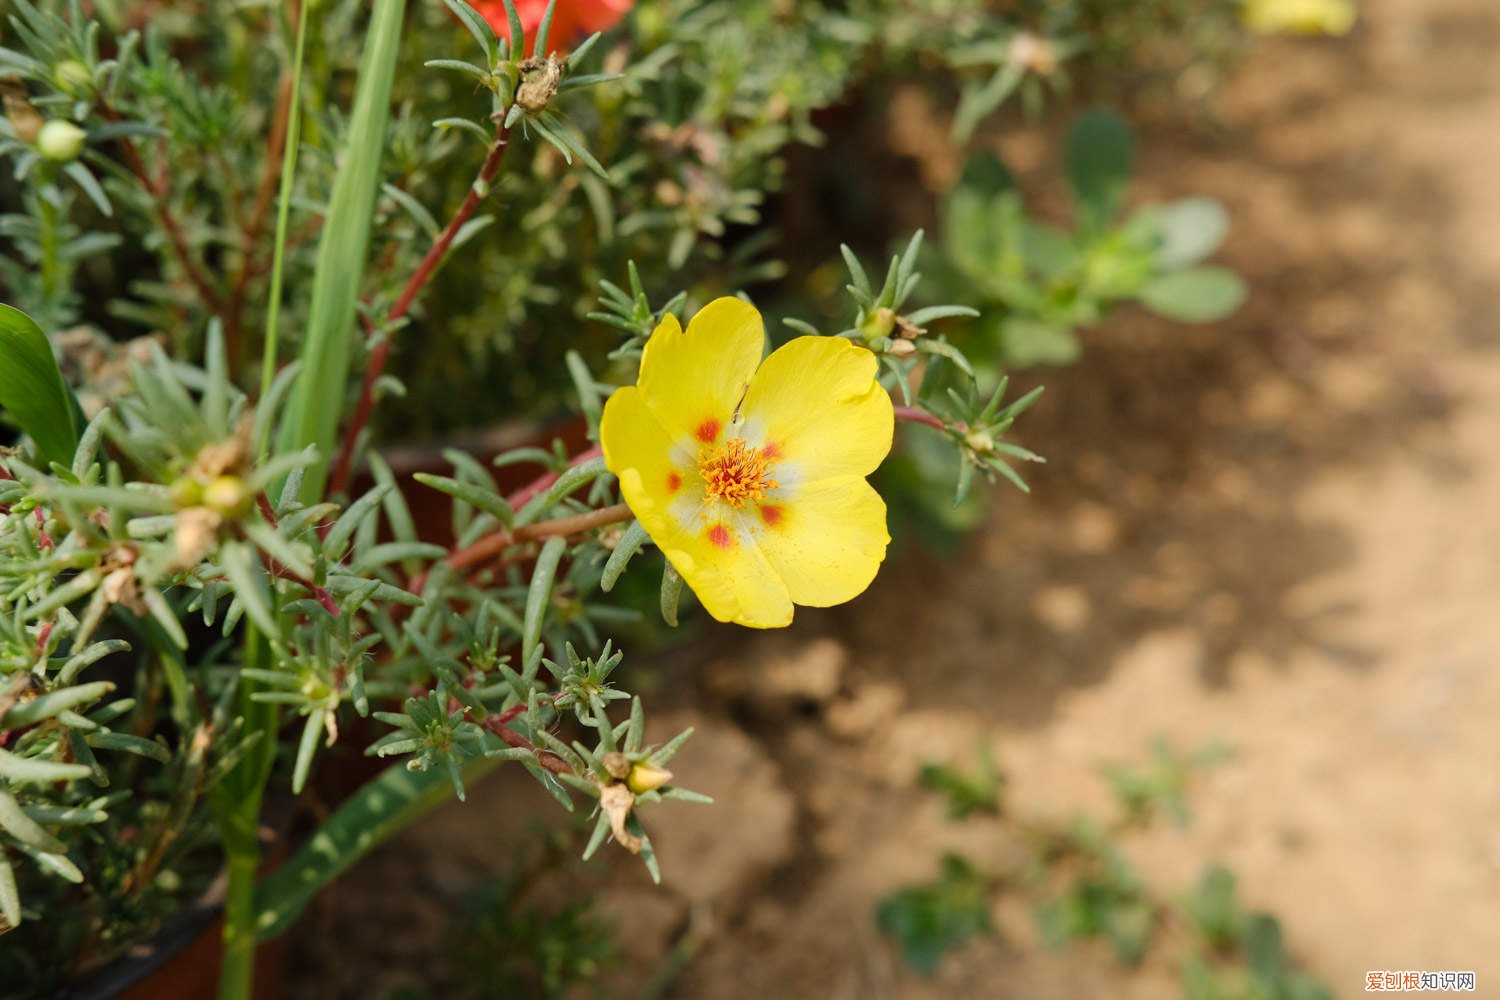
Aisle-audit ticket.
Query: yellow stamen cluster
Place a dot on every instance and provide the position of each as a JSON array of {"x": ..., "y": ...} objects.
[{"x": 735, "y": 473}]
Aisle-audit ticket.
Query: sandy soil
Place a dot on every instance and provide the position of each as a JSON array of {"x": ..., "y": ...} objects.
[{"x": 1282, "y": 533}]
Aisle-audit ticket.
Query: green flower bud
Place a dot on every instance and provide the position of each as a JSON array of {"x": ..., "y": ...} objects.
[
  {"x": 979, "y": 441},
  {"x": 646, "y": 777},
  {"x": 878, "y": 324},
  {"x": 186, "y": 492},
  {"x": 227, "y": 496},
  {"x": 73, "y": 78},
  {"x": 60, "y": 140}
]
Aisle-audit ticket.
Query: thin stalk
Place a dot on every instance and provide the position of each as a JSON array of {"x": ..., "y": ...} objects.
[
  {"x": 414, "y": 285},
  {"x": 283, "y": 212}
]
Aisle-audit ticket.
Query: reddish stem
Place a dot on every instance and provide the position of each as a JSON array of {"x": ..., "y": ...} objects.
[
  {"x": 520, "y": 497},
  {"x": 158, "y": 189},
  {"x": 414, "y": 285},
  {"x": 917, "y": 416},
  {"x": 319, "y": 594},
  {"x": 546, "y": 758},
  {"x": 492, "y": 545}
]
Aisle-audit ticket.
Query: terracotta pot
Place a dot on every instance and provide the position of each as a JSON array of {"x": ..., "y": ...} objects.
[{"x": 432, "y": 511}]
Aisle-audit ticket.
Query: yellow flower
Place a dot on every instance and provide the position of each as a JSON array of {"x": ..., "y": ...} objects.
[
  {"x": 1306, "y": 17},
  {"x": 752, "y": 482}
]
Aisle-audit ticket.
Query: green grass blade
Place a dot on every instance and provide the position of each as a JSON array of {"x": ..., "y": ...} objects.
[{"x": 313, "y": 413}]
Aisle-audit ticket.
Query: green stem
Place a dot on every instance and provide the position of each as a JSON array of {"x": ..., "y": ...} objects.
[
  {"x": 236, "y": 800},
  {"x": 46, "y": 218},
  {"x": 237, "y": 977},
  {"x": 283, "y": 210}
]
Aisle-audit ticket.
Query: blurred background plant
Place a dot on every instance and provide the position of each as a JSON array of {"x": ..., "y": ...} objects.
[
  {"x": 209, "y": 582},
  {"x": 1079, "y": 881}
]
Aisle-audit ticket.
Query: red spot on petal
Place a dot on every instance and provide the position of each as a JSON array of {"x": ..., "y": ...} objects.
[
  {"x": 720, "y": 536},
  {"x": 674, "y": 482},
  {"x": 708, "y": 431},
  {"x": 772, "y": 515},
  {"x": 770, "y": 451}
]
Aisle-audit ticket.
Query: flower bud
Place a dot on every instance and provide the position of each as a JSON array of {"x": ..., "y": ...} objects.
[
  {"x": 73, "y": 78},
  {"x": 878, "y": 324},
  {"x": 226, "y": 496},
  {"x": 185, "y": 492},
  {"x": 979, "y": 441},
  {"x": 646, "y": 777},
  {"x": 60, "y": 140},
  {"x": 902, "y": 348}
]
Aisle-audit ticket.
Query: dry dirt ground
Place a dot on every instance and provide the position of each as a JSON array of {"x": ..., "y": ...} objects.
[{"x": 1282, "y": 533}]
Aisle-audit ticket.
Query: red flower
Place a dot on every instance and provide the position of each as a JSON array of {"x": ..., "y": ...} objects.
[{"x": 571, "y": 19}]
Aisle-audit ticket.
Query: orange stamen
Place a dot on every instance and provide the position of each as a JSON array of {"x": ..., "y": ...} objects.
[{"x": 735, "y": 473}]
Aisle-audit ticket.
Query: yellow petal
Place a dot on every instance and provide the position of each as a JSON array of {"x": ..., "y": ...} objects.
[
  {"x": 709, "y": 546},
  {"x": 729, "y": 573},
  {"x": 815, "y": 405},
  {"x": 638, "y": 450},
  {"x": 825, "y": 540},
  {"x": 692, "y": 380}
]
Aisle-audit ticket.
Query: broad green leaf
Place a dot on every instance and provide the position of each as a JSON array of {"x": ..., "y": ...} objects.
[
  {"x": 32, "y": 389},
  {"x": 1191, "y": 229},
  {"x": 1029, "y": 342},
  {"x": 929, "y": 920},
  {"x": 1197, "y": 295},
  {"x": 1100, "y": 149}
]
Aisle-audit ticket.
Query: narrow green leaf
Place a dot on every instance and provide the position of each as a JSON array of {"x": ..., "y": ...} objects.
[
  {"x": 306, "y": 747},
  {"x": 671, "y": 592},
  {"x": 33, "y": 771},
  {"x": 543, "y": 28},
  {"x": 14, "y": 821},
  {"x": 46, "y": 706},
  {"x": 10, "y": 899},
  {"x": 475, "y": 496},
  {"x": 539, "y": 596},
  {"x": 629, "y": 544}
]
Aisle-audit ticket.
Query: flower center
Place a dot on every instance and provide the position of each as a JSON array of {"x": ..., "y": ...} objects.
[{"x": 735, "y": 473}]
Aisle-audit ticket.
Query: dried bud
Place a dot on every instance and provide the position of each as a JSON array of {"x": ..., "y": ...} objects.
[
  {"x": 60, "y": 141},
  {"x": 902, "y": 348},
  {"x": 616, "y": 765},
  {"x": 646, "y": 777},
  {"x": 539, "y": 82},
  {"x": 197, "y": 527},
  {"x": 1034, "y": 53},
  {"x": 25, "y": 120},
  {"x": 617, "y": 801}
]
